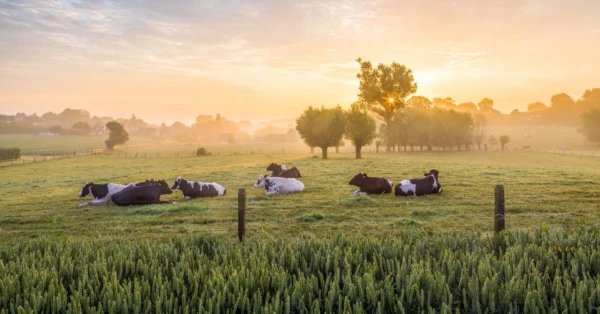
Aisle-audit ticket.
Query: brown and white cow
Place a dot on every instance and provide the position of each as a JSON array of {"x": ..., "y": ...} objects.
[
  {"x": 420, "y": 186},
  {"x": 370, "y": 185}
]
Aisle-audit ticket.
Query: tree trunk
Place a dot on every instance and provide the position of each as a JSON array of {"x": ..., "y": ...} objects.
[
  {"x": 388, "y": 135},
  {"x": 479, "y": 146},
  {"x": 337, "y": 149},
  {"x": 376, "y": 148},
  {"x": 324, "y": 149},
  {"x": 358, "y": 152},
  {"x": 312, "y": 150}
]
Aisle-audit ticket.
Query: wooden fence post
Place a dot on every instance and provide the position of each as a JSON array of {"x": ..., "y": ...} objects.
[
  {"x": 499, "y": 217},
  {"x": 241, "y": 214}
]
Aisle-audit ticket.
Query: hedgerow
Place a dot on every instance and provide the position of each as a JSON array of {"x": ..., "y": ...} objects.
[{"x": 545, "y": 272}]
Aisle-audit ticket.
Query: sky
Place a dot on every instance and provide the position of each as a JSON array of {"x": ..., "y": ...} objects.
[{"x": 267, "y": 59}]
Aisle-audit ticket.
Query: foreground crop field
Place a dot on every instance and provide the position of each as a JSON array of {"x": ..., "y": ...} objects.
[
  {"x": 39, "y": 200},
  {"x": 542, "y": 272}
]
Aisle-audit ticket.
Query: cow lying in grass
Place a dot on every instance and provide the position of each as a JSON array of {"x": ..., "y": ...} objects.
[
  {"x": 420, "y": 186},
  {"x": 370, "y": 185},
  {"x": 283, "y": 171},
  {"x": 101, "y": 193},
  {"x": 276, "y": 185},
  {"x": 193, "y": 189},
  {"x": 144, "y": 193}
]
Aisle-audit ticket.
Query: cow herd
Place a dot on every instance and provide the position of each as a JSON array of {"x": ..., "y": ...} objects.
[{"x": 281, "y": 181}]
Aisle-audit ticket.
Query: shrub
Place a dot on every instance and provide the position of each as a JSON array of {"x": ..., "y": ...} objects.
[
  {"x": 9, "y": 153},
  {"x": 201, "y": 152}
]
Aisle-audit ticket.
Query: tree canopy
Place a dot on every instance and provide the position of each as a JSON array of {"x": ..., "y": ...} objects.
[
  {"x": 590, "y": 125},
  {"x": 385, "y": 88},
  {"x": 360, "y": 128},
  {"x": 117, "y": 135},
  {"x": 322, "y": 127}
]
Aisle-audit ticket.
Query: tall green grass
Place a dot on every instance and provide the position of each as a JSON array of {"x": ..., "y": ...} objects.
[{"x": 415, "y": 272}]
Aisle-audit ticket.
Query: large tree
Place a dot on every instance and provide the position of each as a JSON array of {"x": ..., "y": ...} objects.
[
  {"x": 322, "y": 127},
  {"x": 486, "y": 105},
  {"x": 360, "y": 128},
  {"x": 590, "y": 125},
  {"x": 479, "y": 129},
  {"x": 117, "y": 135},
  {"x": 385, "y": 89}
]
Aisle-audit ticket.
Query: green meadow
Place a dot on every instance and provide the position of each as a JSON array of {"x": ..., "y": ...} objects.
[{"x": 40, "y": 199}]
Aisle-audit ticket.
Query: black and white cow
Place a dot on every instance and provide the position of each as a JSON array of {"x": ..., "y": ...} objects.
[
  {"x": 277, "y": 185},
  {"x": 283, "y": 171},
  {"x": 101, "y": 193},
  {"x": 370, "y": 185},
  {"x": 193, "y": 189},
  {"x": 420, "y": 186},
  {"x": 144, "y": 193}
]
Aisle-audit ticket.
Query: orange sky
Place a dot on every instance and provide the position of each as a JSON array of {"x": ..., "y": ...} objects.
[{"x": 267, "y": 59}]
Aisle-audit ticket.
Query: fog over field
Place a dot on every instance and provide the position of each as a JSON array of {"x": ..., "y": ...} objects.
[{"x": 318, "y": 156}]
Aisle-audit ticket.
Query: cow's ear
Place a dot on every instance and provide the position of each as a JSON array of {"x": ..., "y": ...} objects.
[
  {"x": 426, "y": 174},
  {"x": 364, "y": 175}
]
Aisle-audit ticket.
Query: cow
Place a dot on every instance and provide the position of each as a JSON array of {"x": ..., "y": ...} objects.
[
  {"x": 276, "y": 185},
  {"x": 420, "y": 186},
  {"x": 283, "y": 171},
  {"x": 101, "y": 193},
  {"x": 192, "y": 189},
  {"x": 144, "y": 193},
  {"x": 367, "y": 185},
  {"x": 261, "y": 181}
]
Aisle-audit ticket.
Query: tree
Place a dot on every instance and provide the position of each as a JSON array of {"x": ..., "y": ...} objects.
[
  {"x": 419, "y": 103},
  {"x": 444, "y": 103},
  {"x": 117, "y": 135},
  {"x": 492, "y": 140},
  {"x": 562, "y": 100},
  {"x": 479, "y": 129},
  {"x": 360, "y": 128},
  {"x": 486, "y": 105},
  {"x": 590, "y": 125},
  {"x": 536, "y": 106},
  {"x": 467, "y": 107},
  {"x": 504, "y": 139},
  {"x": 321, "y": 128},
  {"x": 82, "y": 128},
  {"x": 385, "y": 89}
]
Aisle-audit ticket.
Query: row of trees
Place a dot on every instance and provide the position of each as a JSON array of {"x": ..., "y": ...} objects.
[
  {"x": 324, "y": 128},
  {"x": 415, "y": 121}
]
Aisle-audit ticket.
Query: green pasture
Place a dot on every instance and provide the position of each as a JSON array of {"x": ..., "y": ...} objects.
[{"x": 38, "y": 200}]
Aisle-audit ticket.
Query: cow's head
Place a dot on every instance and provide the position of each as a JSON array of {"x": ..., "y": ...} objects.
[
  {"x": 433, "y": 173},
  {"x": 178, "y": 182},
  {"x": 164, "y": 187},
  {"x": 274, "y": 167},
  {"x": 261, "y": 181},
  {"x": 86, "y": 189},
  {"x": 358, "y": 179}
]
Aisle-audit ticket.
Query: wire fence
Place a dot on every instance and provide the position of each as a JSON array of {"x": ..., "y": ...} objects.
[{"x": 35, "y": 158}]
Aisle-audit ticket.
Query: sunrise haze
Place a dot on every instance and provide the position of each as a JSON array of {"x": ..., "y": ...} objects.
[{"x": 261, "y": 60}]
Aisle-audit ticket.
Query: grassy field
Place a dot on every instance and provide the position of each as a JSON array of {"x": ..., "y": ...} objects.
[{"x": 39, "y": 200}]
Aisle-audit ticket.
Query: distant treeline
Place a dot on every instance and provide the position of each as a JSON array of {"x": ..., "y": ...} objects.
[
  {"x": 9, "y": 153},
  {"x": 207, "y": 128}
]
